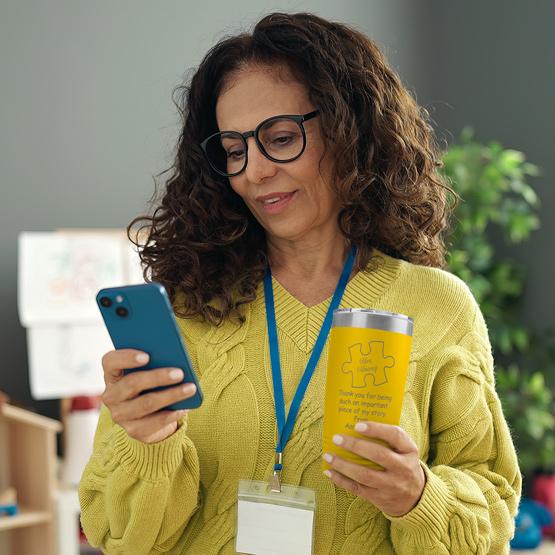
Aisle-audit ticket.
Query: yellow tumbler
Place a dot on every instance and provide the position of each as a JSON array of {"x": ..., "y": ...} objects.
[{"x": 368, "y": 360}]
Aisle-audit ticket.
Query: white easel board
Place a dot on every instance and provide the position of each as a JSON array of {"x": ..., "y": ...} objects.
[{"x": 59, "y": 276}]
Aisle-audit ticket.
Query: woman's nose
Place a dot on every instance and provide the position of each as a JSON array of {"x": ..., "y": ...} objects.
[{"x": 258, "y": 166}]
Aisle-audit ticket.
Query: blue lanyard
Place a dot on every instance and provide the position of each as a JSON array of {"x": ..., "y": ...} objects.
[{"x": 285, "y": 426}]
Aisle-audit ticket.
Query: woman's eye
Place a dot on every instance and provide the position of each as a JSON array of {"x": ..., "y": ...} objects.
[
  {"x": 282, "y": 140},
  {"x": 235, "y": 153}
]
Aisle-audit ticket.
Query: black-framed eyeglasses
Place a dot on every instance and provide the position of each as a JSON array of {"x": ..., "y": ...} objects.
[{"x": 280, "y": 138}]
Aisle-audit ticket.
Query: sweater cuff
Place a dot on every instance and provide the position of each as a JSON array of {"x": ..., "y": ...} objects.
[
  {"x": 429, "y": 519},
  {"x": 150, "y": 461}
]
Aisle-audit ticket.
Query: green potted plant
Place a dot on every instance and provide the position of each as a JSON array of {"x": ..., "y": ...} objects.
[{"x": 498, "y": 202}]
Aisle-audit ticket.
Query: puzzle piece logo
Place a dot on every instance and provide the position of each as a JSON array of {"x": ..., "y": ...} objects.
[{"x": 371, "y": 364}]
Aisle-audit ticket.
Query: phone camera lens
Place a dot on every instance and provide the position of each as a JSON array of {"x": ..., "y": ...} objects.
[
  {"x": 122, "y": 311},
  {"x": 105, "y": 302}
]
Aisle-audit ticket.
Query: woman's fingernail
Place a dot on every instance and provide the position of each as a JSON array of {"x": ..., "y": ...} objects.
[
  {"x": 142, "y": 358},
  {"x": 176, "y": 374},
  {"x": 337, "y": 439},
  {"x": 361, "y": 427},
  {"x": 189, "y": 388},
  {"x": 327, "y": 457},
  {"x": 327, "y": 473}
]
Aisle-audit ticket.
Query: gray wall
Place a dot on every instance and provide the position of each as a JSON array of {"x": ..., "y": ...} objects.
[
  {"x": 494, "y": 68},
  {"x": 86, "y": 113}
]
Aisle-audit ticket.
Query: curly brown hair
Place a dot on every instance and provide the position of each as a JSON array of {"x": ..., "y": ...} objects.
[{"x": 202, "y": 242}]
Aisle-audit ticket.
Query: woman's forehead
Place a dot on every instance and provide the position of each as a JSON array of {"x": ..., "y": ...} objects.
[{"x": 253, "y": 94}]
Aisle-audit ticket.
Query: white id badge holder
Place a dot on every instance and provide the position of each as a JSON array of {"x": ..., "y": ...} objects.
[{"x": 274, "y": 523}]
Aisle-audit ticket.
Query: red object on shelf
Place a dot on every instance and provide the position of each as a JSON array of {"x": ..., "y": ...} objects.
[
  {"x": 543, "y": 491},
  {"x": 84, "y": 403},
  {"x": 82, "y": 537}
]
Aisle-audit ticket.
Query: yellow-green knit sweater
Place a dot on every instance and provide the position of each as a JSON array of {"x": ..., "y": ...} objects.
[{"x": 179, "y": 496}]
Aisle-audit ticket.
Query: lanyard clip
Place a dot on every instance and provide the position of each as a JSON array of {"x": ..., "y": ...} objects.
[{"x": 275, "y": 479}]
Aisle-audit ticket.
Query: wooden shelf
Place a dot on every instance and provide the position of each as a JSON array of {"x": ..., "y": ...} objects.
[
  {"x": 28, "y": 465},
  {"x": 25, "y": 517}
]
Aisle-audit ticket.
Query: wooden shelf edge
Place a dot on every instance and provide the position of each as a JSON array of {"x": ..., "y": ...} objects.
[
  {"x": 25, "y": 517},
  {"x": 16, "y": 414}
]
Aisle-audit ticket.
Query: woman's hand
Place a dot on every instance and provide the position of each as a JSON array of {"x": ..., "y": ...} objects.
[
  {"x": 140, "y": 415},
  {"x": 394, "y": 490}
]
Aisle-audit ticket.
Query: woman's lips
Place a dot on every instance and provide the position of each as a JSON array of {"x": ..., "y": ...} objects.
[{"x": 271, "y": 206}]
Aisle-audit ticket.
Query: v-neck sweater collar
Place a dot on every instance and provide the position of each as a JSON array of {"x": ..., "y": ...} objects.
[{"x": 302, "y": 323}]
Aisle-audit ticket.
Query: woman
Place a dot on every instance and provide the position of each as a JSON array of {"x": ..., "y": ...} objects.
[{"x": 349, "y": 167}]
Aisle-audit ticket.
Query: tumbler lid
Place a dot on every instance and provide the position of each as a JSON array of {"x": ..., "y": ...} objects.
[{"x": 373, "y": 319}]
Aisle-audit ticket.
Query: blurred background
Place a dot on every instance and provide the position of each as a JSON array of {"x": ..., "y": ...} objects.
[{"x": 87, "y": 120}]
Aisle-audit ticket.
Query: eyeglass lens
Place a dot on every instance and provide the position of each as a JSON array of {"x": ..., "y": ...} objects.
[{"x": 280, "y": 138}]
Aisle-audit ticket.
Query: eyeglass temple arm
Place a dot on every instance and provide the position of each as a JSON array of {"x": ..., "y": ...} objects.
[{"x": 311, "y": 115}]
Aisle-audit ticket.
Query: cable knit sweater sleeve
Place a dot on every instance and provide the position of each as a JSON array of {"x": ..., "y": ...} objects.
[
  {"x": 473, "y": 481},
  {"x": 137, "y": 498}
]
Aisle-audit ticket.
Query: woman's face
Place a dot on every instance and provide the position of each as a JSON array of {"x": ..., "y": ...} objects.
[{"x": 307, "y": 205}]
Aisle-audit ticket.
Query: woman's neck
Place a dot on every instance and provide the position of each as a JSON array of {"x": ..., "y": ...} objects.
[{"x": 310, "y": 258}]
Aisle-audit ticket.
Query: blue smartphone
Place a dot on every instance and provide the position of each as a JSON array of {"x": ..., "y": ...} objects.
[{"x": 141, "y": 317}]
